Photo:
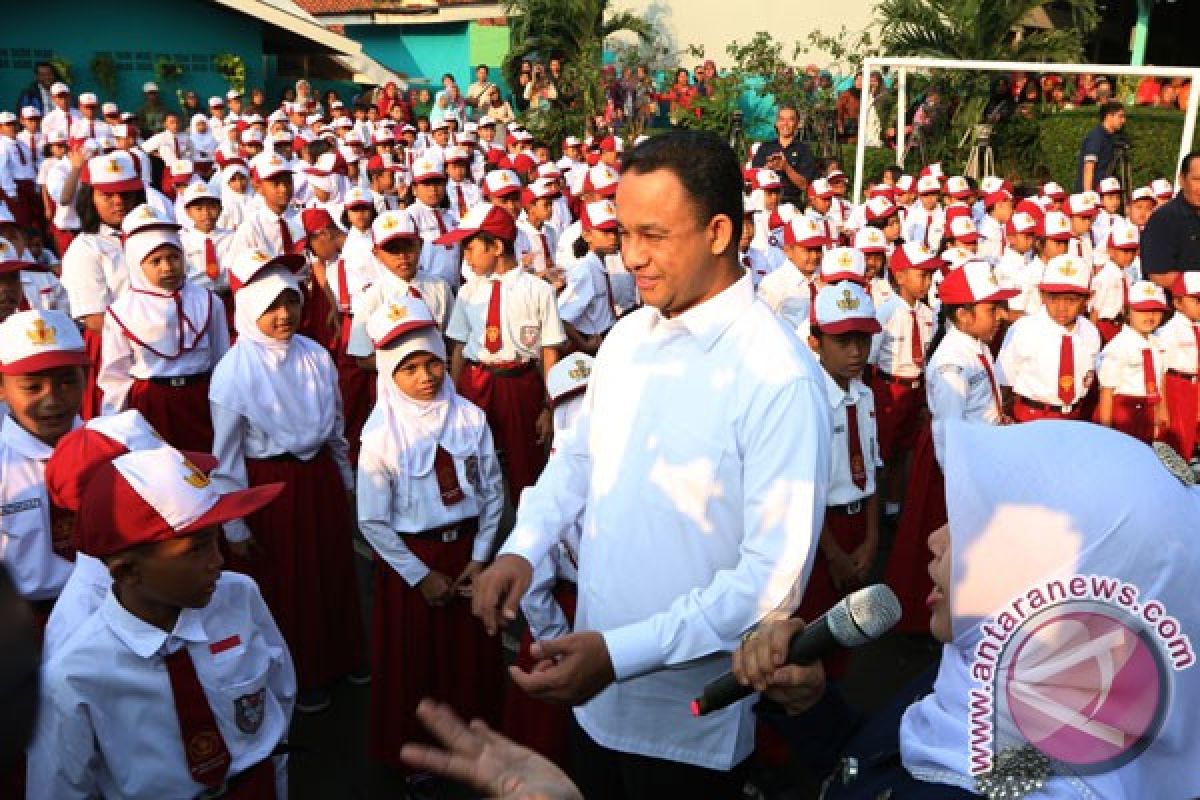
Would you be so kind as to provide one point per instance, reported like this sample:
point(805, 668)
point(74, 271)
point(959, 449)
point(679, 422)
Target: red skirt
point(358, 398)
point(1023, 412)
point(256, 783)
point(1133, 416)
point(1183, 403)
point(898, 416)
point(820, 593)
point(539, 725)
point(512, 404)
point(93, 398)
point(420, 651)
point(923, 513)
point(305, 566)
point(181, 415)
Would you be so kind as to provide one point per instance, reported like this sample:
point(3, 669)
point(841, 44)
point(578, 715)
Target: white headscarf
point(167, 324)
point(233, 203)
point(202, 141)
point(1039, 503)
point(287, 389)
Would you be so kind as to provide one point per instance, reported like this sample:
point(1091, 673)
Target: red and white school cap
point(765, 179)
point(1142, 193)
point(427, 170)
point(457, 154)
point(843, 264)
point(933, 170)
point(820, 188)
point(112, 172)
point(1123, 236)
point(400, 328)
point(59, 88)
point(250, 263)
point(804, 231)
point(1054, 191)
point(929, 184)
point(1147, 296)
point(359, 198)
point(549, 170)
point(395, 224)
point(844, 307)
point(439, 124)
point(1186, 285)
point(31, 341)
point(383, 136)
point(870, 240)
point(836, 176)
point(1055, 225)
point(148, 496)
point(543, 187)
point(252, 136)
point(973, 282)
point(482, 218)
point(962, 229)
point(1080, 205)
point(501, 183)
point(906, 183)
point(267, 165)
point(881, 190)
point(88, 99)
point(198, 191)
point(144, 218)
point(599, 216)
point(1021, 222)
point(602, 180)
point(957, 186)
point(1109, 185)
point(569, 378)
point(11, 261)
point(998, 196)
point(878, 208)
point(570, 141)
point(30, 112)
point(915, 255)
point(1162, 188)
point(1067, 274)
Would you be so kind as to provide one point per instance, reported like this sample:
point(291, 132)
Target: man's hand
point(485, 760)
point(436, 589)
point(760, 663)
point(544, 426)
point(570, 670)
point(498, 591)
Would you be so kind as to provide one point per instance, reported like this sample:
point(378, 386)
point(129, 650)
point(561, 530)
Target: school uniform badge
point(249, 711)
point(530, 334)
point(471, 467)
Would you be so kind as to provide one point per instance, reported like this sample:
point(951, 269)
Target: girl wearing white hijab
point(233, 187)
point(277, 417)
point(1064, 597)
point(162, 337)
point(430, 495)
point(202, 137)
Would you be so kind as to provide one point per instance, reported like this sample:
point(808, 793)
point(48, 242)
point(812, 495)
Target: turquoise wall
point(136, 35)
point(420, 51)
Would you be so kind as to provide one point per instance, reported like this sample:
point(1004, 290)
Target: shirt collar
point(838, 396)
point(708, 320)
point(143, 638)
point(25, 442)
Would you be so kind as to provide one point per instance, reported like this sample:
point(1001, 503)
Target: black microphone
point(858, 618)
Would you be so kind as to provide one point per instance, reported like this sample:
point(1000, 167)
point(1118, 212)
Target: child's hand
point(465, 583)
point(842, 570)
point(436, 589)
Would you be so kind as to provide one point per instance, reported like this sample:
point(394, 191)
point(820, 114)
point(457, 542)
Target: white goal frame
point(903, 65)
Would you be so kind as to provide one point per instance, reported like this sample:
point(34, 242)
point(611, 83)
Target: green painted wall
point(419, 51)
point(489, 45)
point(191, 32)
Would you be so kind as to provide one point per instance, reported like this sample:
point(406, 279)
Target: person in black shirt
point(788, 156)
point(1171, 239)
point(1098, 152)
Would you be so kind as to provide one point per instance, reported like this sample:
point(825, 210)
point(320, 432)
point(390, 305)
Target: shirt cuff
point(415, 572)
point(633, 650)
point(527, 543)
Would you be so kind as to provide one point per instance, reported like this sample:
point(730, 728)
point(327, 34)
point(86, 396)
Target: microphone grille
point(864, 615)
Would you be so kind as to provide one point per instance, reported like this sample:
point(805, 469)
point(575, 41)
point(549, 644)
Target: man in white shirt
point(699, 507)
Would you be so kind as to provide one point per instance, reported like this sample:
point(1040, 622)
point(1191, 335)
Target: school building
point(180, 44)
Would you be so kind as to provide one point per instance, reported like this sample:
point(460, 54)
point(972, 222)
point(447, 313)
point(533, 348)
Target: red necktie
point(1151, 378)
point(447, 478)
point(918, 351)
point(178, 148)
point(285, 233)
point(858, 468)
point(441, 223)
point(343, 300)
point(207, 754)
point(211, 268)
point(746, 261)
point(21, 153)
point(608, 289)
point(987, 367)
point(1066, 371)
point(462, 200)
point(546, 248)
point(491, 338)
point(1196, 333)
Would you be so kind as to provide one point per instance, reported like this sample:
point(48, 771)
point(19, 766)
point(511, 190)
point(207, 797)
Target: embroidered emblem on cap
point(1069, 269)
point(848, 302)
point(1149, 291)
point(113, 167)
point(41, 334)
point(924, 248)
point(845, 260)
point(397, 313)
point(194, 478)
point(581, 370)
point(389, 223)
point(259, 257)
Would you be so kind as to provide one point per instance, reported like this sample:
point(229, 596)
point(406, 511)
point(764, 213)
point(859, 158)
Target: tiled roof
point(359, 6)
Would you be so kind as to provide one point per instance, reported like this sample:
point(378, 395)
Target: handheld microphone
point(860, 617)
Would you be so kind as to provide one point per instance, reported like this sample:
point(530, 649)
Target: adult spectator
point(524, 79)
point(478, 90)
point(788, 156)
point(1085, 90)
point(1000, 105)
point(846, 111)
point(37, 94)
point(496, 107)
point(449, 103)
point(880, 112)
point(152, 112)
point(1148, 91)
point(1171, 239)
point(680, 96)
point(738, 541)
point(541, 92)
point(388, 97)
point(1098, 152)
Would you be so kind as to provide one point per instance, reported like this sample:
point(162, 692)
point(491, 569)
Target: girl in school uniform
point(162, 337)
point(960, 383)
point(430, 495)
point(277, 417)
point(233, 187)
point(1180, 340)
point(1131, 368)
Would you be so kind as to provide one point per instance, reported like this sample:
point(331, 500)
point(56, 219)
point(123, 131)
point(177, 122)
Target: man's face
point(785, 122)
point(151, 98)
point(1189, 183)
point(45, 76)
point(481, 74)
point(1115, 121)
point(672, 254)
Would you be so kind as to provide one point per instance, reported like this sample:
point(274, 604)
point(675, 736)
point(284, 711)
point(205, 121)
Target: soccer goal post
point(902, 66)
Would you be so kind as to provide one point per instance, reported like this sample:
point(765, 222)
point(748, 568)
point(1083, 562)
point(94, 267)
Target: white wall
point(715, 23)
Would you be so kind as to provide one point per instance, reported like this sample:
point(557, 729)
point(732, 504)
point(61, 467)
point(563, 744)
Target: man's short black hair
point(1111, 107)
point(1187, 162)
point(705, 165)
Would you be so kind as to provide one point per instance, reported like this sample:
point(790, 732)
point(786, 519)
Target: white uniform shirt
point(471, 194)
point(1178, 338)
point(57, 120)
point(788, 293)
point(1121, 365)
point(108, 725)
point(81, 595)
point(1023, 273)
point(43, 291)
point(56, 172)
point(542, 246)
point(1028, 360)
point(12, 168)
point(992, 239)
point(25, 526)
point(529, 318)
point(391, 504)
point(89, 129)
point(437, 260)
point(857, 398)
point(93, 271)
point(34, 144)
point(1109, 292)
point(260, 230)
point(195, 256)
point(700, 512)
point(894, 354)
point(921, 226)
point(434, 291)
point(564, 255)
point(586, 301)
point(958, 385)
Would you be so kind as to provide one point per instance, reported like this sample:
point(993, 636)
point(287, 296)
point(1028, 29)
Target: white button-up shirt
point(1109, 291)
point(81, 595)
point(894, 354)
point(1177, 338)
point(788, 292)
point(434, 291)
point(1023, 273)
point(923, 226)
point(108, 725)
point(93, 271)
point(529, 318)
point(196, 256)
point(699, 467)
point(958, 386)
point(437, 260)
point(586, 302)
point(1121, 365)
point(43, 291)
point(1028, 360)
point(25, 527)
point(260, 231)
point(857, 398)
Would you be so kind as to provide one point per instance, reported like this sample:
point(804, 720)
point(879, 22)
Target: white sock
point(891, 508)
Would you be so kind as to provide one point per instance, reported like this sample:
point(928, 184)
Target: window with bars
point(22, 57)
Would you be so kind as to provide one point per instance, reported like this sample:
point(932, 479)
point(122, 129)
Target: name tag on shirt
point(227, 648)
point(20, 505)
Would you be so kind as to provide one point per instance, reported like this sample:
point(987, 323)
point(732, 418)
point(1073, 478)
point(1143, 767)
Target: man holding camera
point(788, 156)
point(1099, 151)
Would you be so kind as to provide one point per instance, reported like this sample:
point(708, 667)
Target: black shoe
point(313, 701)
point(360, 676)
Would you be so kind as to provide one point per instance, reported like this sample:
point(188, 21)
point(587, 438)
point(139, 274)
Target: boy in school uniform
point(874, 247)
point(272, 225)
point(537, 224)
point(992, 229)
point(433, 221)
point(1110, 286)
point(790, 289)
point(759, 262)
point(1015, 267)
point(206, 248)
point(460, 189)
point(1048, 359)
point(1081, 210)
point(1131, 368)
point(179, 684)
point(898, 376)
point(1180, 341)
point(585, 304)
point(925, 220)
point(504, 325)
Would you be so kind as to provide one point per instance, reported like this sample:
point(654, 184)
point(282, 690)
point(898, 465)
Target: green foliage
point(62, 66)
point(167, 70)
point(104, 70)
point(847, 49)
point(232, 69)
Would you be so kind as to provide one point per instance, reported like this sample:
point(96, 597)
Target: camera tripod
point(981, 161)
point(1122, 170)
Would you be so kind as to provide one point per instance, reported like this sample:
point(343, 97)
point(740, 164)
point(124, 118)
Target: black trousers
point(604, 774)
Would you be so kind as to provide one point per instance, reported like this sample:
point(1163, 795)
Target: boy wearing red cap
point(504, 325)
point(585, 304)
point(179, 684)
point(925, 220)
point(992, 233)
point(1015, 267)
point(1131, 368)
point(790, 289)
point(271, 226)
point(537, 225)
point(1110, 286)
point(433, 220)
point(1180, 340)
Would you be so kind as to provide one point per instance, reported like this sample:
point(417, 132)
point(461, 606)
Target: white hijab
point(233, 203)
point(167, 324)
point(1030, 504)
point(202, 141)
point(287, 389)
